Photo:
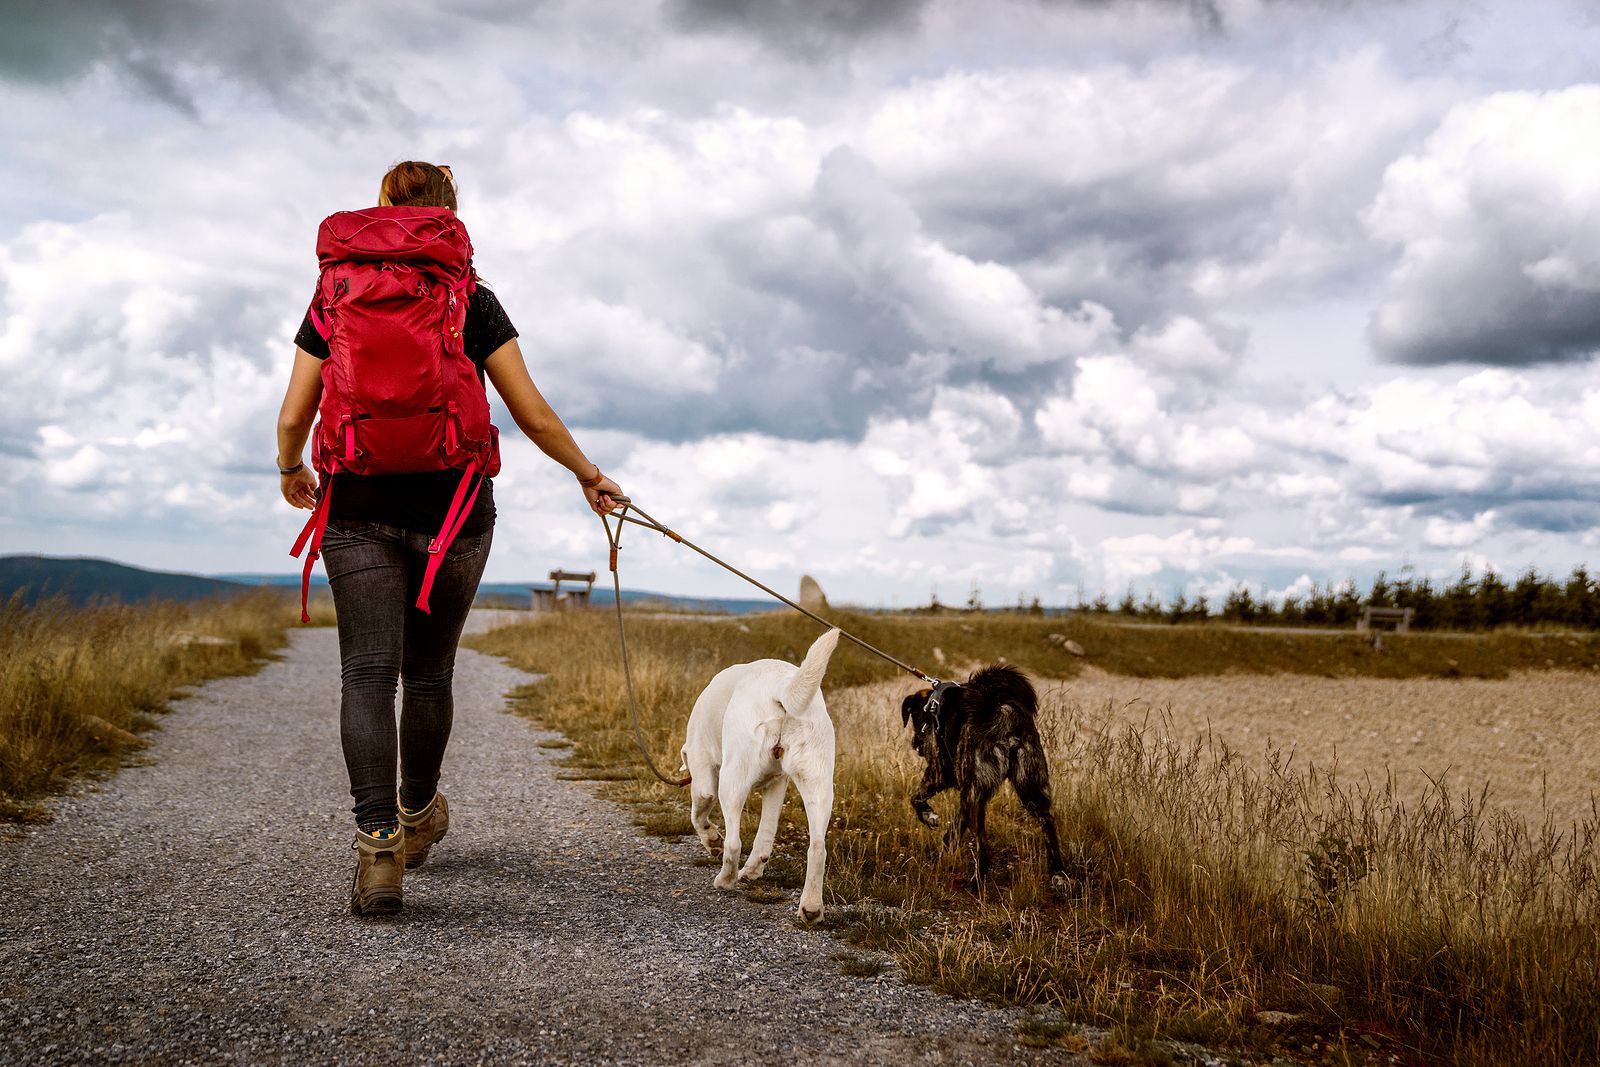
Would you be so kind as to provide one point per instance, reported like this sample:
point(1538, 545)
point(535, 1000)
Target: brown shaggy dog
point(974, 736)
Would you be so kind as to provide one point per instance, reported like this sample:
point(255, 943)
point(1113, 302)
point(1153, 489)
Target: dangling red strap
point(453, 521)
point(312, 535)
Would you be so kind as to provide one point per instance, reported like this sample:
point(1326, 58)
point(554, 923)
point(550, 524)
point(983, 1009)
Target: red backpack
point(399, 395)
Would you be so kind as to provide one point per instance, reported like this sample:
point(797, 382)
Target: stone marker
point(811, 597)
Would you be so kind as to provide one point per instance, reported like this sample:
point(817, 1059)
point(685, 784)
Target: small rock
point(1056, 639)
point(1329, 996)
point(1075, 648)
point(1277, 1018)
point(110, 735)
point(938, 654)
point(184, 639)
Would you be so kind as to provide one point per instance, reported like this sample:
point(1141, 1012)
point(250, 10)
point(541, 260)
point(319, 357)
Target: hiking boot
point(380, 864)
point(423, 828)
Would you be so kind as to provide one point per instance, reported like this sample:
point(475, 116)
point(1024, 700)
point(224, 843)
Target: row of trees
point(1471, 602)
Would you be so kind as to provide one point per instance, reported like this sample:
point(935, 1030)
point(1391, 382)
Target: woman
point(376, 549)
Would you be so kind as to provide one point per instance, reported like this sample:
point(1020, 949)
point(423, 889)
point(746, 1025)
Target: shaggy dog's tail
point(808, 681)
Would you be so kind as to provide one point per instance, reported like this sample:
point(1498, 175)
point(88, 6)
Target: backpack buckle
point(433, 546)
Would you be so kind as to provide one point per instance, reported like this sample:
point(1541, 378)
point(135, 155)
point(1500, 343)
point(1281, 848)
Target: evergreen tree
point(1493, 601)
point(1179, 609)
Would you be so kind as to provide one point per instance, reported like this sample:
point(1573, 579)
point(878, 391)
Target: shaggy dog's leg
point(761, 848)
point(732, 795)
point(974, 809)
point(932, 785)
point(1031, 779)
point(817, 793)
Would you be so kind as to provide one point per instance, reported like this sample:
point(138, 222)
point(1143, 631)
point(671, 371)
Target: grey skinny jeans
point(375, 572)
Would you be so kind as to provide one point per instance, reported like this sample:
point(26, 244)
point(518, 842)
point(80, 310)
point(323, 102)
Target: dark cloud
point(1496, 317)
point(173, 50)
point(1553, 516)
point(815, 28)
point(808, 28)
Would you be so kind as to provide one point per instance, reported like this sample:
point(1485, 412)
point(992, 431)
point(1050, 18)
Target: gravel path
point(195, 910)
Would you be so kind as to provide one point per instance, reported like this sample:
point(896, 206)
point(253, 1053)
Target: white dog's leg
point(817, 793)
point(700, 814)
point(732, 793)
point(761, 847)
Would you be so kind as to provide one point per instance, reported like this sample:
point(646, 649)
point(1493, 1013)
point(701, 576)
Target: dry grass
point(78, 685)
point(1219, 886)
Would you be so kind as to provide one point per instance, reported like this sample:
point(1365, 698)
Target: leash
point(646, 520)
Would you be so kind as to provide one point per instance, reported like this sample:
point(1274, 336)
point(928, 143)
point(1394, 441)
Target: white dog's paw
point(725, 880)
point(713, 844)
point(753, 869)
point(808, 915)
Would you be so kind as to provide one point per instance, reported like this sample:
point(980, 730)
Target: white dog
point(760, 726)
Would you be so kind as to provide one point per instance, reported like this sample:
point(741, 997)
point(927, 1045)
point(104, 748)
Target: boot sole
point(382, 903)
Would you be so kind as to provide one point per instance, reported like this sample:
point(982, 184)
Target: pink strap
point(312, 534)
point(454, 519)
point(322, 325)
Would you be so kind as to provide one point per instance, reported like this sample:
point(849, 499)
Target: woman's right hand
point(599, 496)
point(299, 488)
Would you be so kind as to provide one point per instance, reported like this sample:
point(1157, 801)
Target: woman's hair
point(413, 184)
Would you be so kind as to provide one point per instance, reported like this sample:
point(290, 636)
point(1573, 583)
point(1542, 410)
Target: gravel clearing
point(195, 910)
point(1533, 737)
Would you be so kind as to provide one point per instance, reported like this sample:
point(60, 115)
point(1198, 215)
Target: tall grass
point(1216, 887)
point(77, 685)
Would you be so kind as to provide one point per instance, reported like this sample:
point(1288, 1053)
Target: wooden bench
point(553, 599)
point(1401, 617)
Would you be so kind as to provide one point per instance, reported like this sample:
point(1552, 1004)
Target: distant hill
point(517, 593)
point(82, 580)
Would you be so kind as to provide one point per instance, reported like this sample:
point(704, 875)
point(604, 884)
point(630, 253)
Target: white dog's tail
point(808, 681)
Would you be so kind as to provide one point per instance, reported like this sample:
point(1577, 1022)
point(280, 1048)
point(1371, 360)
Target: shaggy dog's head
point(927, 711)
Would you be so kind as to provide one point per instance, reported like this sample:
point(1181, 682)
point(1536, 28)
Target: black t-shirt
point(419, 501)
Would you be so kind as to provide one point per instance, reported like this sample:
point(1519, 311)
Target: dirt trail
point(195, 910)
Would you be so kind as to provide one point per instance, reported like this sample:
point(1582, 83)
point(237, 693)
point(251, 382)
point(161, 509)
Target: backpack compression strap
point(312, 534)
point(453, 521)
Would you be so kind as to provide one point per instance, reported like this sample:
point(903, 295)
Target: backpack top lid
point(432, 236)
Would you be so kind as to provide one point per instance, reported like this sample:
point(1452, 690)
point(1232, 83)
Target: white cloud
point(1441, 533)
point(1498, 229)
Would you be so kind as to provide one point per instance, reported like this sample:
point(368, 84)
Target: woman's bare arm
point(295, 419)
point(534, 416)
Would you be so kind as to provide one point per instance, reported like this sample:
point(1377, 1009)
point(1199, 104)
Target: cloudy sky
point(909, 294)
